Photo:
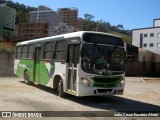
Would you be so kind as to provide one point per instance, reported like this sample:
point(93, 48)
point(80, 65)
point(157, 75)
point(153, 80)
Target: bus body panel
point(45, 71)
point(93, 91)
point(112, 88)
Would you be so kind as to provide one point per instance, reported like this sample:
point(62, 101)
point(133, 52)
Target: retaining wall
point(6, 64)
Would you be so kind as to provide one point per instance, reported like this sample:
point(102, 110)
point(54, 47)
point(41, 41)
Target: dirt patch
point(151, 80)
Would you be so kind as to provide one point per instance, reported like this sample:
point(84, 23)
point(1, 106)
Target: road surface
point(141, 94)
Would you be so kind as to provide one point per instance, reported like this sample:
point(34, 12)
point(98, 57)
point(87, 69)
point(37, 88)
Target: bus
point(83, 63)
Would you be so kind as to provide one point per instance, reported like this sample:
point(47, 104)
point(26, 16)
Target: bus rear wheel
point(26, 78)
point(61, 93)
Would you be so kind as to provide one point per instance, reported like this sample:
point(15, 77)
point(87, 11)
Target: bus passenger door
point(73, 57)
point(36, 70)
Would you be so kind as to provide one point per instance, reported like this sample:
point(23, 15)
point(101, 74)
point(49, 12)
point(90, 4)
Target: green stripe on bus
point(29, 65)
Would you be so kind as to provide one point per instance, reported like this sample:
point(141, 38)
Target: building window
point(151, 44)
point(152, 35)
point(158, 35)
point(145, 45)
point(145, 35)
point(158, 45)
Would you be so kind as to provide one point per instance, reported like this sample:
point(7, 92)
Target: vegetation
point(7, 46)
point(103, 26)
point(22, 16)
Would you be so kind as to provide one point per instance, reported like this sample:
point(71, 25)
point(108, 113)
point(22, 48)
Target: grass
point(7, 47)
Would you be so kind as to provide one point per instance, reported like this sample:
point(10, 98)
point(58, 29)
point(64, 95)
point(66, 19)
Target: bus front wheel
point(26, 77)
point(61, 93)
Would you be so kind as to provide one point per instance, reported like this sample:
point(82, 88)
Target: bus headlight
point(86, 82)
point(121, 83)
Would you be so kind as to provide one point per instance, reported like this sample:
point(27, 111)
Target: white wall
point(157, 23)
point(61, 28)
point(147, 40)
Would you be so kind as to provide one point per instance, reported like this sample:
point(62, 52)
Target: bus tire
point(61, 92)
point(26, 78)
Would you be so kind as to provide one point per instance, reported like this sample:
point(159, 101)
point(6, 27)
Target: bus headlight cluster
point(121, 83)
point(86, 82)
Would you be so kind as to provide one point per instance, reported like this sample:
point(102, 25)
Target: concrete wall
point(135, 68)
point(141, 62)
point(6, 64)
point(142, 69)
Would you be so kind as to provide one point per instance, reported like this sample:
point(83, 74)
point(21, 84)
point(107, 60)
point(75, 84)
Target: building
point(7, 22)
point(61, 28)
point(45, 15)
point(54, 19)
point(64, 21)
point(28, 31)
point(141, 62)
point(70, 17)
point(80, 24)
point(148, 38)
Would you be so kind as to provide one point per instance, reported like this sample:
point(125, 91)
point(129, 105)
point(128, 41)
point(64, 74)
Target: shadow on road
point(113, 103)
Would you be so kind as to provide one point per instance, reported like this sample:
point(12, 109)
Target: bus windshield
point(102, 59)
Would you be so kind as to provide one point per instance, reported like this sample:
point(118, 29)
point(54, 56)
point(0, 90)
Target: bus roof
point(59, 37)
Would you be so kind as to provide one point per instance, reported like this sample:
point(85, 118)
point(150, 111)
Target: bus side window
point(61, 48)
point(30, 51)
point(24, 52)
point(18, 52)
point(49, 50)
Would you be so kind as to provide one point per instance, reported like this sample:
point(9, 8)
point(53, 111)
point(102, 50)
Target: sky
point(132, 14)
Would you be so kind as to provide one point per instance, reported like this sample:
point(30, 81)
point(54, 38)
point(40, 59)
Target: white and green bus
point(81, 63)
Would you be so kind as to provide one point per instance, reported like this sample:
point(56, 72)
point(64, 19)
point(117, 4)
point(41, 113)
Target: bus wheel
point(26, 77)
point(61, 93)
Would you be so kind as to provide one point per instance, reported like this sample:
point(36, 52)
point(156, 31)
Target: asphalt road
point(141, 94)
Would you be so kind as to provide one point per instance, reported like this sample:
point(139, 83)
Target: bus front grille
point(103, 81)
point(104, 90)
point(104, 85)
point(107, 79)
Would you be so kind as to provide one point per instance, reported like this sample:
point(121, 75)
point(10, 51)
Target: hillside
point(125, 37)
point(22, 16)
point(22, 11)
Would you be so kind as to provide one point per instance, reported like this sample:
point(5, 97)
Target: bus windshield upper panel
point(102, 59)
point(103, 39)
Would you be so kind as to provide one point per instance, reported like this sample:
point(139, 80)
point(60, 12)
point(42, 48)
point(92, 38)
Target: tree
point(114, 28)
point(21, 17)
point(88, 17)
point(120, 27)
point(2, 1)
point(89, 25)
point(107, 25)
